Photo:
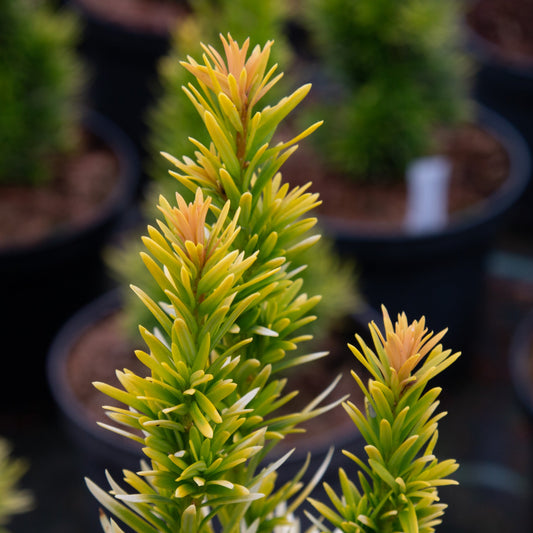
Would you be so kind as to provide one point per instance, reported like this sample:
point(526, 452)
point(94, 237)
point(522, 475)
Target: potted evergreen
point(66, 180)
point(173, 108)
point(69, 380)
point(206, 407)
point(394, 80)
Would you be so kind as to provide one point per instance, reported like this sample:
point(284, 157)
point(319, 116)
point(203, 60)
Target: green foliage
point(12, 500)
point(230, 311)
point(397, 485)
point(323, 272)
point(173, 121)
point(40, 81)
point(398, 71)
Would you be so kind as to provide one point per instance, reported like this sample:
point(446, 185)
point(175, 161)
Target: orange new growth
point(242, 80)
point(188, 221)
point(406, 344)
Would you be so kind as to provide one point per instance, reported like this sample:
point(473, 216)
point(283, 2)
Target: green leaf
point(382, 472)
point(161, 317)
point(379, 401)
point(120, 395)
point(119, 510)
point(218, 294)
point(326, 512)
point(188, 520)
point(408, 519)
point(385, 436)
point(271, 117)
point(229, 186)
point(230, 111)
point(207, 407)
point(402, 456)
point(201, 422)
point(222, 143)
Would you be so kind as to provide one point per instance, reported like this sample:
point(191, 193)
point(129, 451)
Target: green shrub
point(40, 84)
point(230, 311)
point(396, 71)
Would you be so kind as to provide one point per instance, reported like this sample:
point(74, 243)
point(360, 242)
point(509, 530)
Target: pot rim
point(122, 36)
point(493, 207)
point(56, 369)
point(487, 53)
point(120, 199)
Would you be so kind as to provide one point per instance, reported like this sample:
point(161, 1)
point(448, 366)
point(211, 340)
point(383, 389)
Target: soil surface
point(152, 16)
point(506, 24)
point(480, 166)
point(103, 348)
point(84, 183)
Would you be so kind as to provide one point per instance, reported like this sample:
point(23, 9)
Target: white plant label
point(428, 180)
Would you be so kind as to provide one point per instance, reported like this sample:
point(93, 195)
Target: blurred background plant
point(13, 500)
point(40, 89)
point(392, 73)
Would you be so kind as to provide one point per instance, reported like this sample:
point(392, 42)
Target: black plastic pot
point(97, 449)
point(507, 88)
point(122, 65)
point(439, 274)
point(100, 449)
point(43, 284)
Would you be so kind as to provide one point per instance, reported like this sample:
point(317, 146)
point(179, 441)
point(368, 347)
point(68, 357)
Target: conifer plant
point(230, 318)
point(397, 485)
point(400, 72)
point(231, 322)
point(173, 119)
point(40, 90)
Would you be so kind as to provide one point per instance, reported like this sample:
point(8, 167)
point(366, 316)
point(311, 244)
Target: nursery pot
point(42, 284)
point(97, 449)
point(123, 64)
point(506, 87)
point(100, 449)
point(439, 273)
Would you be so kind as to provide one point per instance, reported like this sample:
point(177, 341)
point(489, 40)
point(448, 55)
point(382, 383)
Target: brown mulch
point(99, 351)
point(507, 24)
point(83, 183)
point(479, 167)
